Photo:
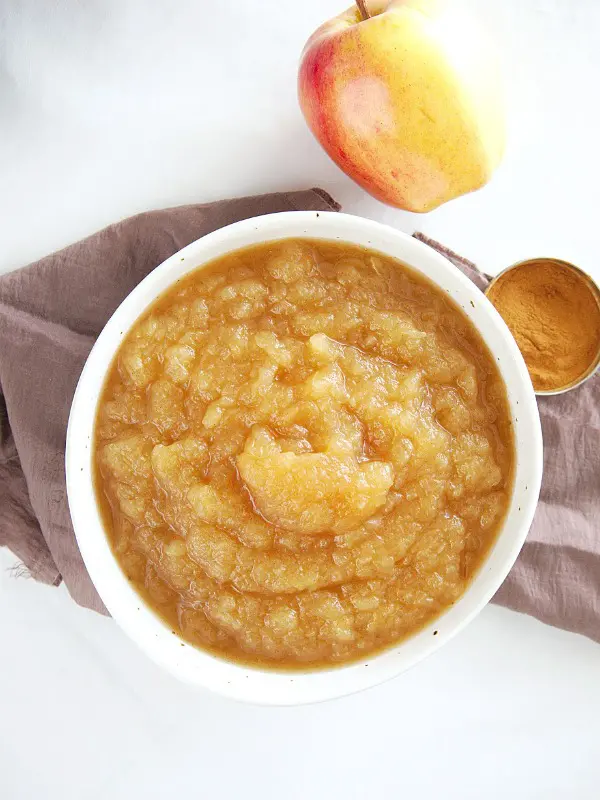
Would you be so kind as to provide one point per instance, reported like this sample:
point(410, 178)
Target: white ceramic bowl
point(284, 688)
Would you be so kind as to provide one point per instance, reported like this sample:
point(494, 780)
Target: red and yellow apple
point(407, 102)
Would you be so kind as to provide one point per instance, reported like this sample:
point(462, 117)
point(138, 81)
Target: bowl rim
point(272, 687)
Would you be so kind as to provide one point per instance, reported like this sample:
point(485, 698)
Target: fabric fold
point(50, 315)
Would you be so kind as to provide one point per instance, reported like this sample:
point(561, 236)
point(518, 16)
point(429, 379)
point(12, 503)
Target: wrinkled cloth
point(50, 315)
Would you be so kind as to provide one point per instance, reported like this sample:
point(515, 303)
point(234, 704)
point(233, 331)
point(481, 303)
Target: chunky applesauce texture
point(303, 453)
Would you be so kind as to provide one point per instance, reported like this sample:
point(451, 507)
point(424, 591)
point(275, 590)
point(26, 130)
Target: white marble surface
point(110, 107)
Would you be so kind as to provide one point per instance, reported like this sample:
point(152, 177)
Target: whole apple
point(405, 97)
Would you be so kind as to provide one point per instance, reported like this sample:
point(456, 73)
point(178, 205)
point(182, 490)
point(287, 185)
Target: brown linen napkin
point(50, 315)
point(557, 575)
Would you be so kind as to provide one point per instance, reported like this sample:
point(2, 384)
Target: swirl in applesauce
point(303, 452)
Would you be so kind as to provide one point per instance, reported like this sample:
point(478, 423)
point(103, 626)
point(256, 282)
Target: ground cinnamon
point(554, 315)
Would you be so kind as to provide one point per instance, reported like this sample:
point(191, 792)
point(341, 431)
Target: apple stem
point(362, 7)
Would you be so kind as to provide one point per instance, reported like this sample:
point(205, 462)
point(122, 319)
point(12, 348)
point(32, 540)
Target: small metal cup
point(595, 363)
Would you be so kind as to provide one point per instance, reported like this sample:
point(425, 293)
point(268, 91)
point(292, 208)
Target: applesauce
point(303, 453)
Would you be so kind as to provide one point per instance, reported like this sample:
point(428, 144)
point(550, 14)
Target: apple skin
point(407, 103)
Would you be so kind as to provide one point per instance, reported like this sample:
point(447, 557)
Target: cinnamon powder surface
point(554, 315)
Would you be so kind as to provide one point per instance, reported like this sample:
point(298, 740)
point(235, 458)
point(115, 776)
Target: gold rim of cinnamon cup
point(595, 290)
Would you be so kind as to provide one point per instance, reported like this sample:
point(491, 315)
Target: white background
point(109, 107)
